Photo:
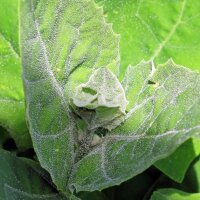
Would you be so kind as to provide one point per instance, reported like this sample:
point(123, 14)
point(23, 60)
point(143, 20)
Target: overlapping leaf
point(12, 107)
point(62, 42)
point(23, 179)
point(175, 166)
point(173, 194)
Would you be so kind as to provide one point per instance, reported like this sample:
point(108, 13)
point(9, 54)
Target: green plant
point(94, 121)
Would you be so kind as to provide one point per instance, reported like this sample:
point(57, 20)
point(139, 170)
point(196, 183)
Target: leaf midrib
point(171, 33)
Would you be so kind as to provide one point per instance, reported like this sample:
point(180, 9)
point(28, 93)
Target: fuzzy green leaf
point(58, 42)
point(104, 99)
point(62, 42)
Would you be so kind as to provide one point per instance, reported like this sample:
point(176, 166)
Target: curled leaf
point(101, 102)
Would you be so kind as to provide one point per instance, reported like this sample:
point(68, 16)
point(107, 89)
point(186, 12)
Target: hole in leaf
point(154, 84)
point(151, 82)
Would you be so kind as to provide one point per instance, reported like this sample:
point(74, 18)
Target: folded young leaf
point(12, 106)
point(101, 102)
point(156, 30)
point(63, 43)
point(173, 194)
point(23, 179)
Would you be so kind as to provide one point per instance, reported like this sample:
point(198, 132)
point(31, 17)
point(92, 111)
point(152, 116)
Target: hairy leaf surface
point(23, 179)
point(12, 109)
point(63, 42)
point(104, 98)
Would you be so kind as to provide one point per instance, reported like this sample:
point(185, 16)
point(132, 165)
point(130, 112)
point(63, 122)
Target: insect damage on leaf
point(100, 102)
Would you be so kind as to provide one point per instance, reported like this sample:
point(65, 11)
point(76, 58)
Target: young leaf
point(62, 42)
point(176, 165)
point(104, 100)
point(156, 30)
point(12, 109)
point(173, 194)
point(23, 179)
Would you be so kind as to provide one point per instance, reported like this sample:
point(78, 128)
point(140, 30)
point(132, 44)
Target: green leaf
point(191, 181)
point(194, 174)
point(12, 107)
point(62, 42)
point(163, 112)
point(156, 30)
point(176, 165)
point(23, 179)
point(173, 194)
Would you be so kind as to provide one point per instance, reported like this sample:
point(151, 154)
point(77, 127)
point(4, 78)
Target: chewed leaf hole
point(154, 84)
point(151, 82)
point(89, 91)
